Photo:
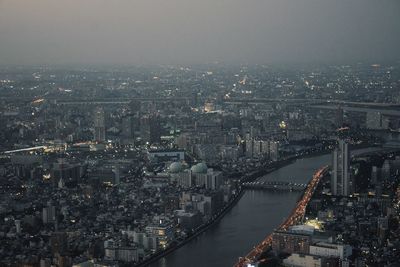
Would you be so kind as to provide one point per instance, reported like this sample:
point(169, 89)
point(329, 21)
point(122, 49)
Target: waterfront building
point(162, 232)
point(188, 220)
point(214, 202)
point(290, 242)
point(206, 177)
point(262, 148)
point(145, 241)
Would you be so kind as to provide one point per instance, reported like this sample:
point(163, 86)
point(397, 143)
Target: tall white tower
point(341, 181)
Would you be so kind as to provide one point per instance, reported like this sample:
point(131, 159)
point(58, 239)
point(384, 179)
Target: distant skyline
point(134, 32)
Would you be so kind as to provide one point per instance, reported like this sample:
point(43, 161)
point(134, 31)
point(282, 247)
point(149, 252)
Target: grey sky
point(197, 31)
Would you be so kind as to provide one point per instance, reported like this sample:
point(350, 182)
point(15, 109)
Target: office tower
point(18, 226)
point(340, 182)
point(150, 129)
point(128, 129)
point(339, 117)
point(99, 125)
point(273, 151)
point(49, 214)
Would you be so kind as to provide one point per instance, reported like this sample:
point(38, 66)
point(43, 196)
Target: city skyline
point(208, 165)
point(182, 133)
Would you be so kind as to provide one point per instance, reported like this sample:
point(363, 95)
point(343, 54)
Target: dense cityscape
point(123, 166)
point(183, 133)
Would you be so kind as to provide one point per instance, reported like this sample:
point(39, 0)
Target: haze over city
point(133, 32)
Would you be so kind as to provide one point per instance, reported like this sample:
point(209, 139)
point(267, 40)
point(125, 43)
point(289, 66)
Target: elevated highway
point(388, 111)
point(295, 217)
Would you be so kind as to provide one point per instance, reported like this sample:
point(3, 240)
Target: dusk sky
point(188, 31)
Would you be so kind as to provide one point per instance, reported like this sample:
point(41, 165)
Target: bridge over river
point(275, 185)
point(257, 214)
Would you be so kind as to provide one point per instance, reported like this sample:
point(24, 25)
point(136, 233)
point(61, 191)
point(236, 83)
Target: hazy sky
point(197, 31)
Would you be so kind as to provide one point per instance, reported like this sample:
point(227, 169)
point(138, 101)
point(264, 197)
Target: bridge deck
point(275, 185)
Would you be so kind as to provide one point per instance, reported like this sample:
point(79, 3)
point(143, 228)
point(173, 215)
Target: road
point(294, 217)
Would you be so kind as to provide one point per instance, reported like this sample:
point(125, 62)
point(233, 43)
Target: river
point(248, 222)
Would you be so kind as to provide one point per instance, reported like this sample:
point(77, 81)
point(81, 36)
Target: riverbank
point(246, 178)
point(198, 232)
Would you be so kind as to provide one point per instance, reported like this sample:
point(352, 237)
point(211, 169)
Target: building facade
point(341, 181)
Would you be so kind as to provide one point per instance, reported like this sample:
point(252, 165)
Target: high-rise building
point(99, 125)
point(215, 201)
point(128, 129)
point(150, 129)
point(341, 181)
point(262, 148)
point(18, 226)
point(49, 214)
point(117, 176)
point(339, 117)
point(273, 150)
point(375, 175)
point(69, 172)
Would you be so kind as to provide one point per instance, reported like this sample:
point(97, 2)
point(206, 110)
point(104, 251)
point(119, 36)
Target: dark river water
point(249, 221)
